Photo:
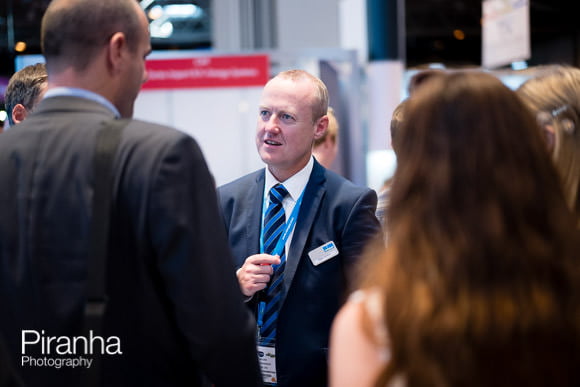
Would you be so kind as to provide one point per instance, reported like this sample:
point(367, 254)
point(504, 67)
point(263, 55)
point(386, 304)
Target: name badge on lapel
point(323, 253)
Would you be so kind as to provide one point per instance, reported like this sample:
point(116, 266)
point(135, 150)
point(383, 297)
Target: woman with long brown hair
point(478, 285)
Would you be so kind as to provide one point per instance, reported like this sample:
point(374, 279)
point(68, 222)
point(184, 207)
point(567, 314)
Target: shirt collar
point(82, 93)
point(294, 184)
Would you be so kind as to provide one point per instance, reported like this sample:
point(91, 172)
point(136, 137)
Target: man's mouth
point(271, 142)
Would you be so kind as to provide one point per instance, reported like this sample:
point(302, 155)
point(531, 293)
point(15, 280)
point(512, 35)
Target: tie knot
point(277, 193)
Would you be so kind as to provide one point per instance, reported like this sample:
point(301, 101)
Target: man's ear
point(321, 127)
point(19, 113)
point(549, 136)
point(116, 50)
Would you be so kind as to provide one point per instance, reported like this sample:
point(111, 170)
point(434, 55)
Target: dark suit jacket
point(8, 376)
point(174, 301)
point(333, 209)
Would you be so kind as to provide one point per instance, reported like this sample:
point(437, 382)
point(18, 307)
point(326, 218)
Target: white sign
point(506, 32)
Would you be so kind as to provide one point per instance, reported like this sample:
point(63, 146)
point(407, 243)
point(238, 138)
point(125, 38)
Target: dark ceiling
point(20, 21)
point(554, 28)
point(429, 29)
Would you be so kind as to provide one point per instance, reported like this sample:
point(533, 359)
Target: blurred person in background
point(383, 202)
point(25, 89)
point(417, 80)
point(479, 284)
point(326, 147)
point(554, 96)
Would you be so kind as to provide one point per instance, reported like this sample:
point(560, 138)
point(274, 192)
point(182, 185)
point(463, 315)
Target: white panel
point(222, 121)
point(226, 25)
point(353, 27)
point(307, 23)
point(385, 79)
point(154, 106)
point(506, 32)
point(381, 165)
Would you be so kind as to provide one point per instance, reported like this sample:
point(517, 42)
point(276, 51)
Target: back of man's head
point(25, 88)
point(73, 31)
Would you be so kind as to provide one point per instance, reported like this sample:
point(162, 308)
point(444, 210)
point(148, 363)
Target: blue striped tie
point(274, 225)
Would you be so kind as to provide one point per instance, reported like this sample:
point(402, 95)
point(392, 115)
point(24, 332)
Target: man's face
point(285, 131)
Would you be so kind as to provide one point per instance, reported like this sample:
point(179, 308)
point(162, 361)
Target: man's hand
point(255, 274)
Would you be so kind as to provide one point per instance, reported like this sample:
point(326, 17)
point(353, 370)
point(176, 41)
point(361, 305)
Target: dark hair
point(24, 88)
point(73, 30)
point(480, 278)
point(420, 78)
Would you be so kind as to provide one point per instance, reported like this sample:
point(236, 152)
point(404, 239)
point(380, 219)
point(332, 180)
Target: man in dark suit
point(175, 315)
point(326, 222)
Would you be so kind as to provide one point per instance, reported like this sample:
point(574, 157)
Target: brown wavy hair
point(480, 278)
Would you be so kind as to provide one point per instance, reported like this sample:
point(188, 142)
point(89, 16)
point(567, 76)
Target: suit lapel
point(315, 190)
point(254, 214)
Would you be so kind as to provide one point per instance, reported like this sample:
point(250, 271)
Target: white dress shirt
point(295, 185)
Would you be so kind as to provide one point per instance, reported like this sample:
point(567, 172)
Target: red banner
point(215, 71)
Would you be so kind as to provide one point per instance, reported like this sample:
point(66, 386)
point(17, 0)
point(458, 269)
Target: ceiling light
point(161, 30)
point(458, 34)
point(155, 13)
point(20, 46)
point(183, 10)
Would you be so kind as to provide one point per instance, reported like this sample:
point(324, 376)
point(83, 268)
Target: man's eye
point(264, 113)
point(287, 117)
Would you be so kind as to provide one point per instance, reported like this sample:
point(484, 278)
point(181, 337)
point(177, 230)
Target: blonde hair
point(331, 130)
point(320, 104)
point(554, 96)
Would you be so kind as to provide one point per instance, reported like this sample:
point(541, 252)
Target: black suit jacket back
point(174, 302)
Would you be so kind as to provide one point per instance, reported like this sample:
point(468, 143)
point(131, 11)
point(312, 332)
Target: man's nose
point(272, 124)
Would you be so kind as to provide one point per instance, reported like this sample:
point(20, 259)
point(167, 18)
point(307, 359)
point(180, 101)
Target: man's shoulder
point(144, 128)
point(154, 135)
point(240, 183)
point(339, 185)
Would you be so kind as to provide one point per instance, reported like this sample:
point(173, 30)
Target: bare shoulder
point(349, 316)
point(355, 357)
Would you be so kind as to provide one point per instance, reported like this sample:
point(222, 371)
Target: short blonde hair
point(320, 105)
point(555, 94)
point(331, 130)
